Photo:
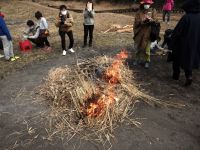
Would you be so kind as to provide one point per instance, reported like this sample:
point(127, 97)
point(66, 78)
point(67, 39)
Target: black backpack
point(155, 31)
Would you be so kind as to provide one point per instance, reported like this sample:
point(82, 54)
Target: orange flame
point(113, 73)
point(98, 104)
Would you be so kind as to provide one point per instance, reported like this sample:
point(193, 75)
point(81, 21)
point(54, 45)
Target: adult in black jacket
point(185, 42)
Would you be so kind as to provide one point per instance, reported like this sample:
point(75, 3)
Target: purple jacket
point(168, 6)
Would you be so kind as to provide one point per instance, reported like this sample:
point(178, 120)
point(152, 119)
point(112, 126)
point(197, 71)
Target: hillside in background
point(157, 3)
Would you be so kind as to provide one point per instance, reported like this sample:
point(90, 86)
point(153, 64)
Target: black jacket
point(185, 42)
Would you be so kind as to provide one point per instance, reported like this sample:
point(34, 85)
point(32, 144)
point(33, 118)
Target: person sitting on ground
point(142, 31)
point(88, 14)
point(6, 39)
point(44, 32)
point(185, 43)
point(33, 34)
point(65, 23)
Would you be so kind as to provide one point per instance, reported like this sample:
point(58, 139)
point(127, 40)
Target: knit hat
point(146, 2)
point(2, 15)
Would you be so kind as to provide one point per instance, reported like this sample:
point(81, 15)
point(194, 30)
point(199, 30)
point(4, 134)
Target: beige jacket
point(141, 30)
point(67, 26)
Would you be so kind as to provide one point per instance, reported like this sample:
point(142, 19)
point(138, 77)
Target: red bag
point(25, 46)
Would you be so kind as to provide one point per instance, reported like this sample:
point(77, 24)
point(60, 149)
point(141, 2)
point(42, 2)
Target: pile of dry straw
point(91, 98)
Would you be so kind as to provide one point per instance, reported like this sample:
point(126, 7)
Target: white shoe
point(146, 65)
point(135, 63)
point(1, 56)
point(64, 52)
point(71, 50)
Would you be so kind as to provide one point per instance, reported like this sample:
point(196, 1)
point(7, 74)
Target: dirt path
point(162, 128)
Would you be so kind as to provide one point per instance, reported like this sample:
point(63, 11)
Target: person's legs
point(11, 53)
point(168, 16)
point(86, 29)
point(46, 42)
point(164, 14)
point(147, 55)
point(6, 47)
point(71, 39)
point(91, 29)
point(188, 75)
point(63, 43)
point(176, 70)
point(38, 42)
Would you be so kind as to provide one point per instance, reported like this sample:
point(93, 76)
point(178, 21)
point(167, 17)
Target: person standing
point(44, 32)
point(142, 31)
point(6, 39)
point(89, 14)
point(65, 23)
point(167, 8)
point(185, 43)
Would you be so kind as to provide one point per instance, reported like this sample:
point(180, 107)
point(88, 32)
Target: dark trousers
point(71, 39)
point(177, 70)
point(40, 42)
point(168, 14)
point(88, 29)
point(46, 42)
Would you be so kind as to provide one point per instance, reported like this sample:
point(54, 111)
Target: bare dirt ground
point(22, 118)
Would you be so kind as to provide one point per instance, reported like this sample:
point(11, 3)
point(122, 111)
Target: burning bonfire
point(90, 99)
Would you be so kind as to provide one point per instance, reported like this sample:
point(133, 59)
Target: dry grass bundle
point(91, 98)
point(119, 29)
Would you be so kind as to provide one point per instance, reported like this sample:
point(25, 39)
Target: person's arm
point(178, 33)
point(5, 29)
point(154, 15)
point(58, 21)
point(70, 21)
point(85, 13)
point(44, 22)
point(91, 13)
point(138, 21)
point(36, 34)
point(172, 4)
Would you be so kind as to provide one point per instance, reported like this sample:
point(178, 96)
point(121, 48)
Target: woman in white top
point(43, 29)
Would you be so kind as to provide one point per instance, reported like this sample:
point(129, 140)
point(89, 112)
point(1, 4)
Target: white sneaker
point(146, 65)
point(1, 56)
point(135, 63)
point(71, 50)
point(64, 52)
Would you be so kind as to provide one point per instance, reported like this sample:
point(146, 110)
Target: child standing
point(65, 24)
point(88, 23)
